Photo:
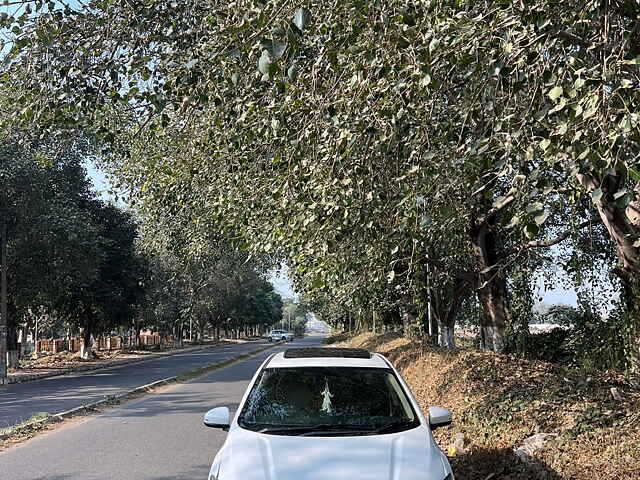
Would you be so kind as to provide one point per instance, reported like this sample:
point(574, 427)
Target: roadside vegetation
point(499, 401)
point(77, 266)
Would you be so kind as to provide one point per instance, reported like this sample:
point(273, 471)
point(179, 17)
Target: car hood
point(400, 456)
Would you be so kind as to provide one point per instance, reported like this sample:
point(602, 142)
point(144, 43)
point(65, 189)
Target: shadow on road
point(54, 477)
point(173, 403)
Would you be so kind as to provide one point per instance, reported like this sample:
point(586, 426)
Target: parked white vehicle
point(328, 413)
point(275, 335)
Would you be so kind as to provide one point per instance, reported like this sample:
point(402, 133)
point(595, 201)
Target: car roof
point(326, 357)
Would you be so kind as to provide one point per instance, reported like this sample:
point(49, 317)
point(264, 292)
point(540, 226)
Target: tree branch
point(548, 243)
point(491, 214)
point(575, 39)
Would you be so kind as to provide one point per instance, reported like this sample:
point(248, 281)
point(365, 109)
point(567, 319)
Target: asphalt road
point(20, 401)
point(157, 437)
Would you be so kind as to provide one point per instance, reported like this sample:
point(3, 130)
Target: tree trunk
point(13, 353)
point(632, 297)
point(444, 311)
point(177, 337)
point(434, 327)
point(85, 346)
point(492, 299)
point(445, 338)
point(623, 226)
point(3, 302)
point(491, 289)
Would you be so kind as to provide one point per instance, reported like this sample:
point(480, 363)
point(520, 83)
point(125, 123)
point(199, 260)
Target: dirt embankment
point(498, 402)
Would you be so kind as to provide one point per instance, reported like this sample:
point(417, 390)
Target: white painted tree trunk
point(445, 337)
point(85, 347)
point(13, 357)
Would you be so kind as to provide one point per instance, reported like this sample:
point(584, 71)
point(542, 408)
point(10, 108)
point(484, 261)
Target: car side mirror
point(217, 418)
point(439, 417)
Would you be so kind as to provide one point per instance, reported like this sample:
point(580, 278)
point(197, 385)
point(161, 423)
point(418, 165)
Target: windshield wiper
point(392, 427)
point(319, 429)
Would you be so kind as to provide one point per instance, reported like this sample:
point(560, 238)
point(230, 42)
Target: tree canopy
point(402, 159)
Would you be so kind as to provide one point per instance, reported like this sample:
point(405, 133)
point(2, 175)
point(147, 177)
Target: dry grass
point(498, 401)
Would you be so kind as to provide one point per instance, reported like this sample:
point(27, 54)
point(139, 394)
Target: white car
point(275, 335)
point(328, 413)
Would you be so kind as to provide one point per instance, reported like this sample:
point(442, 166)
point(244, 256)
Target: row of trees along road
point(64, 251)
point(412, 163)
point(89, 267)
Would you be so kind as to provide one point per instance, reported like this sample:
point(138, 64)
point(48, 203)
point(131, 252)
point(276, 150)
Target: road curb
point(114, 363)
point(116, 399)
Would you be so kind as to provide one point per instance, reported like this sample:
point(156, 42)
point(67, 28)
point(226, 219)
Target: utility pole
point(3, 302)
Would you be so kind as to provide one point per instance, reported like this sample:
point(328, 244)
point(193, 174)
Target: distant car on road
point(328, 413)
point(275, 335)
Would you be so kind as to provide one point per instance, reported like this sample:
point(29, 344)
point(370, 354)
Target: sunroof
point(326, 352)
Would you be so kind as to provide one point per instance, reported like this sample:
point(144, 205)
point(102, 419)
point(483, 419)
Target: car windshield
point(327, 399)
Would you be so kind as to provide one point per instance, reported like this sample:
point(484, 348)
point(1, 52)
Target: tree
point(109, 297)
point(198, 276)
point(40, 211)
point(333, 136)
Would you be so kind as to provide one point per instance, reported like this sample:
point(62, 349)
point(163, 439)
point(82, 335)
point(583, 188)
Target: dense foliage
point(79, 264)
point(407, 161)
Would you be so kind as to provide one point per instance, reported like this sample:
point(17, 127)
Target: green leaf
point(622, 198)
point(531, 230)
point(544, 144)
point(541, 218)
point(634, 174)
point(535, 207)
point(275, 48)
point(555, 93)
point(625, 123)
point(292, 72)
point(596, 195)
point(302, 18)
point(264, 63)
point(619, 194)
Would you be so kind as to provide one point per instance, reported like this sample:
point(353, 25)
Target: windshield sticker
point(326, 398)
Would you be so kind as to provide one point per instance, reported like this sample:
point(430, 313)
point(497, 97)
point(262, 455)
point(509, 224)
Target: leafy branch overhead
point(388, 152)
